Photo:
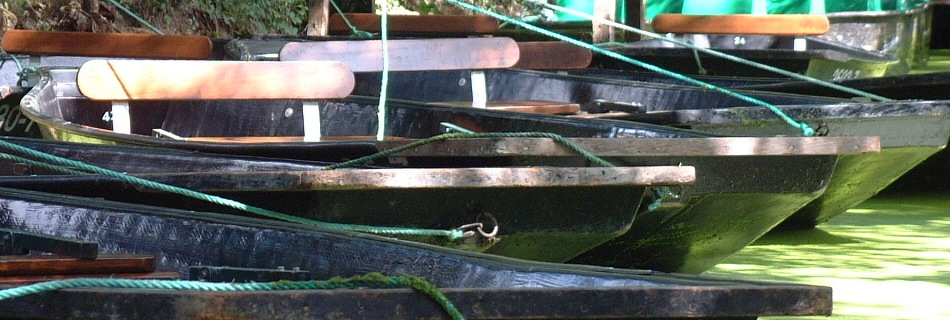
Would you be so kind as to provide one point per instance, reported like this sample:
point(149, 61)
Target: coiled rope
point(801, 125)
point(713, 52)
point(374, 279)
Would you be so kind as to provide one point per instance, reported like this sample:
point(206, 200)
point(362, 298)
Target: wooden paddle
point(170, 80)
point(410, 55)
point(776, 24)
point(117, 45)
point(418, 24)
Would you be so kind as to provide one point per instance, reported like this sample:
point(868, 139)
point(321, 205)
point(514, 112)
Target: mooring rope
point(715, 53)
point(374, 279)
point(801, 125)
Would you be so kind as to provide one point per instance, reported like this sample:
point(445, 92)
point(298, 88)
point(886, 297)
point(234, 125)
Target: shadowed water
point(888, 258)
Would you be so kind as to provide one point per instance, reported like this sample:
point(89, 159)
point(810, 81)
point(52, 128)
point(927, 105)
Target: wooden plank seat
point(417, 25)
point(64, 258)
point(116, 45)
point(777, 24)
point(475, 54)
point(125, 80)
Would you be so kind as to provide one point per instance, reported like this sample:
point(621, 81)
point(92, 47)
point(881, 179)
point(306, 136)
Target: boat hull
point(481, 286)
point(785, 194)
point(910, 131)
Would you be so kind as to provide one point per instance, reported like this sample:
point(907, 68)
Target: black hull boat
point(644, 102)
point(764, 172)
point(544, 214)
point(479, 286)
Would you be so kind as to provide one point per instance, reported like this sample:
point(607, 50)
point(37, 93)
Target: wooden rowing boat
point(701, 109)
point(479, 285)
point(541, 213)
point(279, 132)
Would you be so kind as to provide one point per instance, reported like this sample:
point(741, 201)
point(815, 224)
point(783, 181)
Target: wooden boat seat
point(777, 24)
point(125, 80)
point(415, 24)
point(475, 54)
point(794, 25)
point(116, 45)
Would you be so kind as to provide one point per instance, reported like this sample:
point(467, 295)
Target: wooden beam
point(160, 80)
point(605, 9)
point(410, 55)
point(417, 25)
point(429, 178)
point(776, 24)
point(55, 264)
point(318, 18)
point(116, 45)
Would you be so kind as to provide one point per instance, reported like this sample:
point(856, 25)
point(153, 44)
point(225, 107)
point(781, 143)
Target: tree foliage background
point(214, 18)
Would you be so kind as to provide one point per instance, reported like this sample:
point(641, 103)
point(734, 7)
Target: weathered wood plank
point(117, 45)
point(703, 300)
point(25, 280)
point(349, 179)
point(527, 106)
point(55, 264)
point(773, 24)
point(409, 55)
point(441, 24)
point(542, 55)
point(615, 147)
point(157, 79)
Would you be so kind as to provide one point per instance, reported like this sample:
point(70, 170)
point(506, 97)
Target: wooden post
point(318, 18)
point(606, 9)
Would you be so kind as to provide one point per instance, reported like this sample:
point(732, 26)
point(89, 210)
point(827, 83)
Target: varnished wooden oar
point(777, 24)
point(410, 55)
point(169, 80)
point(416, 24)
point(117, 45)
point(541, 55)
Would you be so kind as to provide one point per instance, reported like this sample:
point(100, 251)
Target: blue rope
point(804, 127)
point(136, 17)
point(717, 53)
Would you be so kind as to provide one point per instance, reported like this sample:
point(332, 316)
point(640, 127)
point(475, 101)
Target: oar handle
point(777, 24)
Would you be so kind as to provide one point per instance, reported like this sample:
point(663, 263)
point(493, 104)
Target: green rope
point(466, 135)
point(453, 234)
point(353, 30)
point(716, 53)
point(374, 279)
point(804, 127)
point(136, 17)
